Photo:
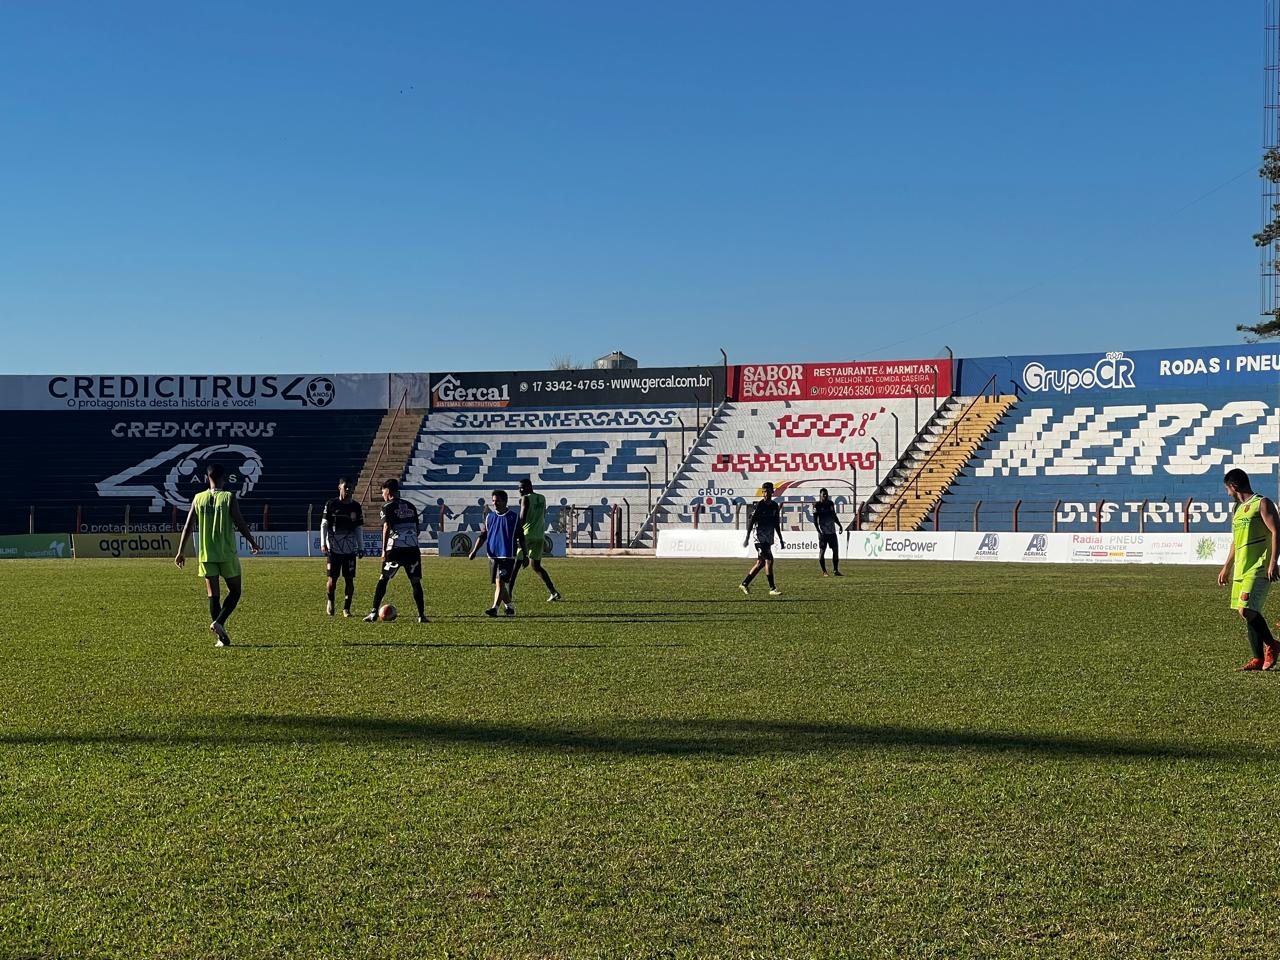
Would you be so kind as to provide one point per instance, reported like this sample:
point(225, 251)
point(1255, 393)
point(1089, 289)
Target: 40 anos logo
point(321, 391)
point(188, 466)
point(1112, 372)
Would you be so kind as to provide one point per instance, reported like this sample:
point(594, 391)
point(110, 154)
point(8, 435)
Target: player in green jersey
point(217, 515)
point(533, 514)
point(1251, 565)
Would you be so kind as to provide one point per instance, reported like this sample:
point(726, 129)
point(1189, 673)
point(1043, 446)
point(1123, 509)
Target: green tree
point(1270, 327)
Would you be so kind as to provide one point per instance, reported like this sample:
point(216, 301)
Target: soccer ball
point(387, 612)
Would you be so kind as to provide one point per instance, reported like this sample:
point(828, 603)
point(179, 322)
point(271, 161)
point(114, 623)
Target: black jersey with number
point(345, 518)
point(767, 516)
point(824, 516)
point(402, 517)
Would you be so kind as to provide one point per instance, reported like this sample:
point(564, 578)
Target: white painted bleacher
point(589, 459)
point(800, 446)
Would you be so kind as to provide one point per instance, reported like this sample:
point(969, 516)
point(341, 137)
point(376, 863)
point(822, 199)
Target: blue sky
point(417, 186)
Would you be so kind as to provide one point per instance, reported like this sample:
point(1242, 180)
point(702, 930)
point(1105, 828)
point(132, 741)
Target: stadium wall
point(102, 454)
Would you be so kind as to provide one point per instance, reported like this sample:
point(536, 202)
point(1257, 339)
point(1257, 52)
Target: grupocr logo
point(1112, 372)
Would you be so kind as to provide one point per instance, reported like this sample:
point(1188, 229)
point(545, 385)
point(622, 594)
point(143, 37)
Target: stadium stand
point(800, 446)
point(585, 461)
point(95, 465)
point(1144, 449)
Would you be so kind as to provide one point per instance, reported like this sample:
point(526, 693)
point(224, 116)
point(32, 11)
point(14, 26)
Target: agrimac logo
point(1037, 548)
point(1112, 372)
point(990, 545)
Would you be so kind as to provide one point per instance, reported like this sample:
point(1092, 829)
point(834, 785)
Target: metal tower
point(1270, 253)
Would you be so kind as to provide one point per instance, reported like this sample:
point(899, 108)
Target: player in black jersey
point(400, 548)
point(766, 520)
point(341, 541)
point(826, 522)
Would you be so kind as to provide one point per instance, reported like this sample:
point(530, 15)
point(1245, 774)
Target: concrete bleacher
point(1153, 459)
point(95, 465)
point(584, 461)
point(848, 446)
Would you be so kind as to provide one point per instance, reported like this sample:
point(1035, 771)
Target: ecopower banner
point(210, 392)
point(460, 390)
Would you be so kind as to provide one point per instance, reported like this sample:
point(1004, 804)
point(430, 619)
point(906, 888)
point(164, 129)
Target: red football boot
point(1271, 655)
point(1254, 664)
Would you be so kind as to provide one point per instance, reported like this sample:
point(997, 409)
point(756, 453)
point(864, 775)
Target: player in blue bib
point(502, 537)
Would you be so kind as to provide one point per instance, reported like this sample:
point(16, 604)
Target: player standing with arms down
point(766, 520)
point(400, 548)
point(341, 541)
point(1251, 565)
point(502, 536)
point(826, 522)
point(217, 514)
point(533, 514)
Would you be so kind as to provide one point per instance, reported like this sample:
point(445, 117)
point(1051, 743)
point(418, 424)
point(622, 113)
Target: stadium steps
point(947, 444)
point(700, 452)
point(390, 451)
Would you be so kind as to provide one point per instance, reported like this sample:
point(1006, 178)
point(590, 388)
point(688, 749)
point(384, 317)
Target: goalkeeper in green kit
point(533, 513)
point(1251, 565)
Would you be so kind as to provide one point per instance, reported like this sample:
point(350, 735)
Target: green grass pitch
point(918, 760)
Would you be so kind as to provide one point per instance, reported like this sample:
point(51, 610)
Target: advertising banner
point(207, 392)
point(890, 379)
point(1112, 374)
point(459, 544)
point(129, 545)
point(573, 388)
point(279, 544)
point(44, 546)
point(1001, 547)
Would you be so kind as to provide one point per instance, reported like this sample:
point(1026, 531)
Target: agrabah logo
point(1112, 372)
point(990, 546)
point(321, 391)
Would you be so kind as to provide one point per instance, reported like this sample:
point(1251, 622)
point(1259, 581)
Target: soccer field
point(917, 760)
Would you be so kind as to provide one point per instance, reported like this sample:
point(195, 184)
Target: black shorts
point(501, 568)
point(826, 540)
point(340, 564)
point(408, 557)
point(765, 550)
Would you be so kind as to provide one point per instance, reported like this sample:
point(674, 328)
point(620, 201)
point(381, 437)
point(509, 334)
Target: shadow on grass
point(716, 739)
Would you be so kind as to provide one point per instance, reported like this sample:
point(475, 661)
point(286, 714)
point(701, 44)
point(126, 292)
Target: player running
point(216, 513)
point(766, 520)
point(502, 536)
point(400, 548)
point(1251, 565)
point(533, 513)
point(825, 522)
point(341, 541)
